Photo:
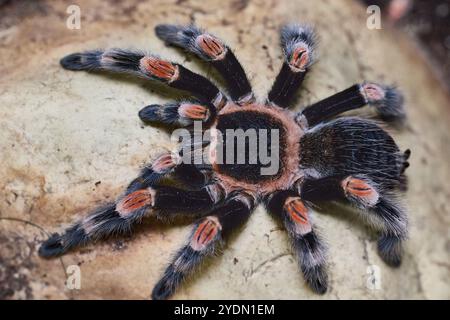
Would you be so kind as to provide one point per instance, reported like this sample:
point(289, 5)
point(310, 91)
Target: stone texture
point(71, 140)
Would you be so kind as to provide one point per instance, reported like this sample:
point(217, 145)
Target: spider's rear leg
point(308, 246)
point(142, 197)
point(378, 209)
point(206, 238)
point(209, 48)
point(178, 114)
point(146, 66)
point(298, 43)
point(387, 101)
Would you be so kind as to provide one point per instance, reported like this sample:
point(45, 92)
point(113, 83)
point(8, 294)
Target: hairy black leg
point(298, 43)
point(120, 216)
point(148, 67)
point(308, 246)
point(170, 201)
point(213, 50)
point(178, 114)
point(387, 101)
point(206, 238)
point(110, 219)
point(378, 209)
point(168, 169)
point(141, 195)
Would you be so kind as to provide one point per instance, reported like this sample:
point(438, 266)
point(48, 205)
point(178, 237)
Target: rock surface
point(71, 140)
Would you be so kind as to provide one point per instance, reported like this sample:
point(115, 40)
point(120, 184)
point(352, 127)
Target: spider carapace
point(316, 156)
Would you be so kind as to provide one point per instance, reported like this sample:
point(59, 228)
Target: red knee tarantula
point(322, 158)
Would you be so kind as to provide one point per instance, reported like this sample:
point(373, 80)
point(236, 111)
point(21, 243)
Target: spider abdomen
point(348, 146)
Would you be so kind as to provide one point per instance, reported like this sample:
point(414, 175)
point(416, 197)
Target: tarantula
point(322, 157)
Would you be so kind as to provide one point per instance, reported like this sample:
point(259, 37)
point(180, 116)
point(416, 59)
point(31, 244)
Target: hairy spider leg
point(387, 101)
point(144, 196)
point(178, 114)
point(307, 245)
point(206, 238)
point(377, 208)
point(210, 48)
point(298, 43)
point(146, 66)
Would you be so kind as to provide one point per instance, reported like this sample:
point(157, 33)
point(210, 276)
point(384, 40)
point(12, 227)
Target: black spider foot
point(52, 247)
point(81, 61)
point(390, 250)
point(317, 278)
point(406, 156)
point(165, 287)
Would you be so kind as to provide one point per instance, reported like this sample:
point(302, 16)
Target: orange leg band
point(205, 233)
point(134, 201)
point(298, 213)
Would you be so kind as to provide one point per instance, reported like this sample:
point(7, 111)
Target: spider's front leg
point(142, 197)
point(178, 114)
point(298, 43)
point(387, 101)
point(146, 66)
point(209, 48)
point(207, 237)
point(377, 208)
point(308, 246)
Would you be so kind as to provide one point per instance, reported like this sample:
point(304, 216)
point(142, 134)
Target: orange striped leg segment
point(134, 201)
point(298, 213)
point(205, 233)
point(211, 46)
point(165, 163)
point(372, 92)
point(360, 190)
point(158, 68)
point(193, 111)
point(300, 59)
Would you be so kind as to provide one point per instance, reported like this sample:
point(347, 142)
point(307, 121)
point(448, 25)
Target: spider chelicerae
point(321, 158)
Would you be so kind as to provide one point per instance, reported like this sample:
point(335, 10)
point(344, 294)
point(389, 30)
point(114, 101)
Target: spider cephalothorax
point(248, 175)
point(317, 157)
